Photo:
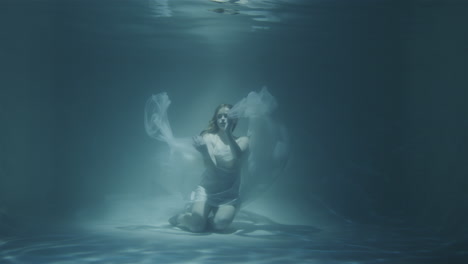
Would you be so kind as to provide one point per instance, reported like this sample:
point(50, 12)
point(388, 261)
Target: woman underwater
point(218, 192)
point(217, 198)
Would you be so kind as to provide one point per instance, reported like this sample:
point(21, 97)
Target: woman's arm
point(199, 143)
point(237, 147)
point(204, 146)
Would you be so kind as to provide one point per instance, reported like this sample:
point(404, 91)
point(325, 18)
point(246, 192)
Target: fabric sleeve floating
point(268, 142)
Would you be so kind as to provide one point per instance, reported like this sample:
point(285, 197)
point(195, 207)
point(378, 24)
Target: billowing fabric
point(267, 155)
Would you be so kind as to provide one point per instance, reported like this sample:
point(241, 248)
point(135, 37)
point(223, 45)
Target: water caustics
point(257, 10)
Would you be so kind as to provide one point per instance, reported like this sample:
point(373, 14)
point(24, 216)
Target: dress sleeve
point(158, 127)
point(176, 169)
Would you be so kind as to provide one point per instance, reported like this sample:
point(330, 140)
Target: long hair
point(212, 125)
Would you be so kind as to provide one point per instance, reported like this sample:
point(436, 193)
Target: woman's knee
point(221, 222)
point(223, 217)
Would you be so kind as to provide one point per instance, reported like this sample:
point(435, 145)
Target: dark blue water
point(373, 94)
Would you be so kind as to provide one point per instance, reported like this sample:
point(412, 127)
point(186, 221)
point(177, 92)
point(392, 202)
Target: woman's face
point(222, 118)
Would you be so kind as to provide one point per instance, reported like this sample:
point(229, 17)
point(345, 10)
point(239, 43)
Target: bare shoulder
point(208, 137)
point(243, 143)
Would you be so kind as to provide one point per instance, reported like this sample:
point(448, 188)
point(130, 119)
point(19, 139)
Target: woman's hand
point(229, 126)
point(198, 141)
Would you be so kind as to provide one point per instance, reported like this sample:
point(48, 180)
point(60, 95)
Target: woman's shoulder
point(243, 142)
point(243, 138)
point(208, 137)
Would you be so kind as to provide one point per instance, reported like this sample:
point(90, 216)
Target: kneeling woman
point(218, 192)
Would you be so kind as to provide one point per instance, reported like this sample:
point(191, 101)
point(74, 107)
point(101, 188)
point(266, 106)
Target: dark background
point(374, 95)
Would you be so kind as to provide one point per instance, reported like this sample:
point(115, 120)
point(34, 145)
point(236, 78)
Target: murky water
point(377, 172)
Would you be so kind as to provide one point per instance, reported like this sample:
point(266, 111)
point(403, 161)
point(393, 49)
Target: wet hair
point(212, 124)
